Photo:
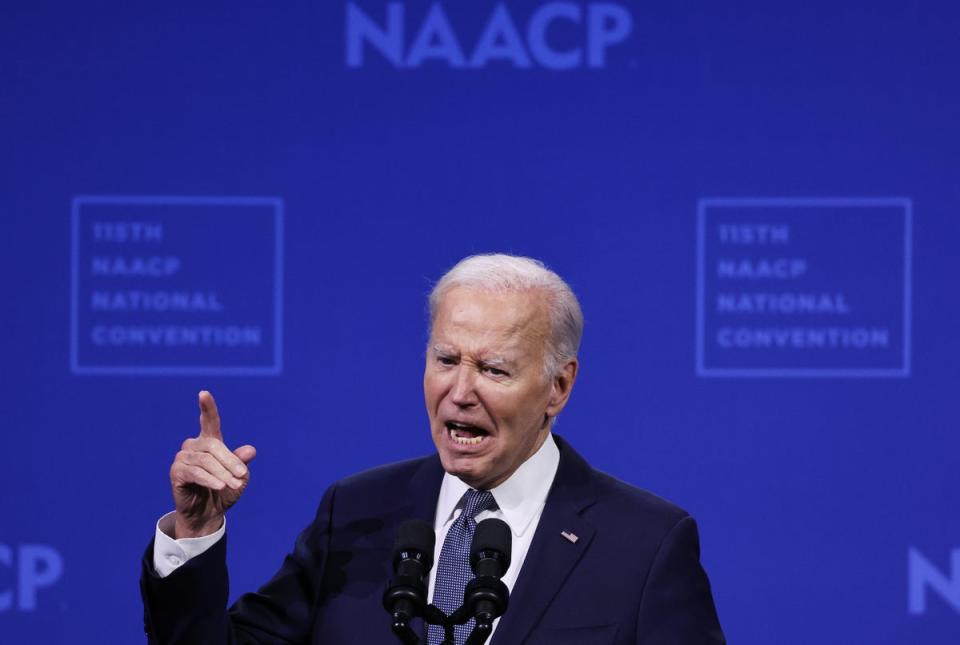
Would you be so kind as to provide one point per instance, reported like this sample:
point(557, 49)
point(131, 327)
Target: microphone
point(486, 596)
point(406, 597)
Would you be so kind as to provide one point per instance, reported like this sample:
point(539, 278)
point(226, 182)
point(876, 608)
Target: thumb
point(245, 453)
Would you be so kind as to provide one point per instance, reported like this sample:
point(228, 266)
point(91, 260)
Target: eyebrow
point(486, 360)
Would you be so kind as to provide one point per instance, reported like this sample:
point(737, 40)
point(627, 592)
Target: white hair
point(498, 272)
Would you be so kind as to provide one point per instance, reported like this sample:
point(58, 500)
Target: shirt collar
point(519, 498)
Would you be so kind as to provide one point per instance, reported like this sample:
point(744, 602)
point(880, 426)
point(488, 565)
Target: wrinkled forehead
point(515, 320)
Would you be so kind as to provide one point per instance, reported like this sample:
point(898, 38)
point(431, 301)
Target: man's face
point(486, 393)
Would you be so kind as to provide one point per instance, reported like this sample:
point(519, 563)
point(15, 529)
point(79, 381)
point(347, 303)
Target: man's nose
point(463, 392)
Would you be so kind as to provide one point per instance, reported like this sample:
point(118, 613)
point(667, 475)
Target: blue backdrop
point(756, 203)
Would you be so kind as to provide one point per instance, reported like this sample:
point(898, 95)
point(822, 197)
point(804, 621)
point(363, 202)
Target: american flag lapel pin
point(572, 537)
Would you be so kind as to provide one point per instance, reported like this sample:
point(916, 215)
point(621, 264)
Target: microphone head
point(418, 536)
point(492, 539)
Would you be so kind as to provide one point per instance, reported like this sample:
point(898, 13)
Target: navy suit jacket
point(633, 576)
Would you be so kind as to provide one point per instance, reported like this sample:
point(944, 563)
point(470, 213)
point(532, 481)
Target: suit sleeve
point(189, 605)
point(676, 606)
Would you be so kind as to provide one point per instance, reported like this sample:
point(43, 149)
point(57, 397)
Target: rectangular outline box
point(788, 202)
point(176, 370)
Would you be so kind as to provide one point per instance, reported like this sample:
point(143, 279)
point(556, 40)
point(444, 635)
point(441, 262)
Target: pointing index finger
point(209, 416)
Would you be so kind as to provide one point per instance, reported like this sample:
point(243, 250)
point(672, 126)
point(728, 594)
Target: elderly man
point(594, 559)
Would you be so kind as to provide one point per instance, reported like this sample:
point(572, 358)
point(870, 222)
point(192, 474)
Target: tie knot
point(476, 501)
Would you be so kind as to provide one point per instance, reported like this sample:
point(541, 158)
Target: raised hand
point(206, 477)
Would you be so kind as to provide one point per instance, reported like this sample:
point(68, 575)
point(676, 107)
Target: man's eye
point(446, 360)
point(495, 371)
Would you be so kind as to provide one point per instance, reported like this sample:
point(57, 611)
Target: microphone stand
point(484, 599)
point(433, 615)
point(406, 635)
point(478, 635)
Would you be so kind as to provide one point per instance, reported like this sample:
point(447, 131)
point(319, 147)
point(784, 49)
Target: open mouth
point(465, 434)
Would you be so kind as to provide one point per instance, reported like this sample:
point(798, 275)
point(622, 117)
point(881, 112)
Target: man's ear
point(561, 387)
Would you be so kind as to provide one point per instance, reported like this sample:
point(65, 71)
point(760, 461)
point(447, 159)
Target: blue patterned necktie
point(453, 567)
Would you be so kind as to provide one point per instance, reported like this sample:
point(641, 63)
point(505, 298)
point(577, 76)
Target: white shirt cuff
point(168, 553)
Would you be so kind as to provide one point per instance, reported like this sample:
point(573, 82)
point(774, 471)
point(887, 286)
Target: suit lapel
point(423, 489)
point(422, 492)
point(552, 556)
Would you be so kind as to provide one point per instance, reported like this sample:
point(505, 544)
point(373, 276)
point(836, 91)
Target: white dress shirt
point(520, 501)
point(169, 554)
